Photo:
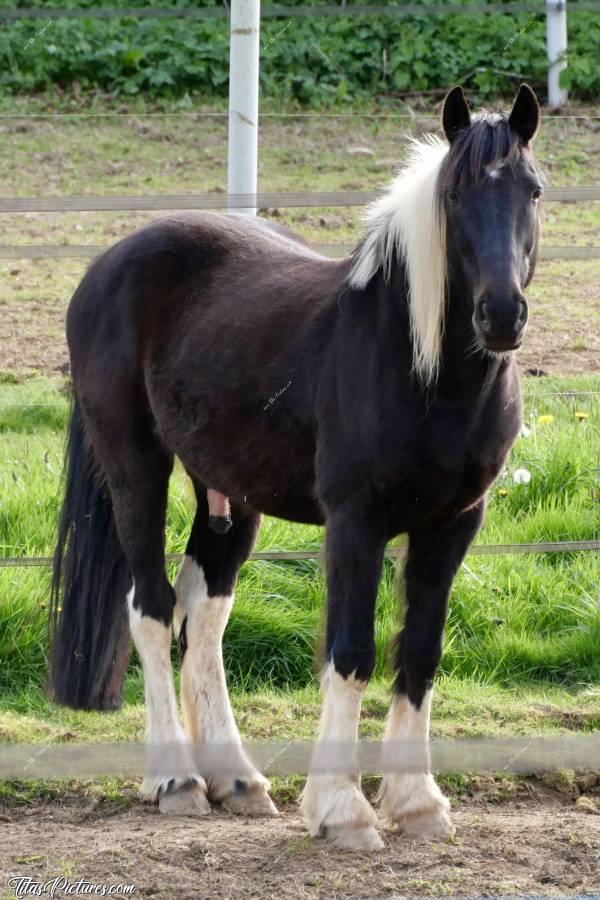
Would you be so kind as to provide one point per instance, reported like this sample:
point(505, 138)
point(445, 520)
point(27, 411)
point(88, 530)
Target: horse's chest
point(447, 469)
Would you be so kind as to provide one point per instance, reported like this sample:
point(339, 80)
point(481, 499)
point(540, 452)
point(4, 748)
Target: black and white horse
point(377, 395)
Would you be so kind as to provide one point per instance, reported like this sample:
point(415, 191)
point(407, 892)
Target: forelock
point(489, 143)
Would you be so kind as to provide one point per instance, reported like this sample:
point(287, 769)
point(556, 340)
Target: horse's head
point(490, 188)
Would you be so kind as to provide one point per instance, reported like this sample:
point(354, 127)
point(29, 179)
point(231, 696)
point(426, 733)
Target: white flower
point(521, 476)
point(525, 431)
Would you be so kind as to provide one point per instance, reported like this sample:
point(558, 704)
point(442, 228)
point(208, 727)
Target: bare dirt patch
point(536, 844)
point(147, 154)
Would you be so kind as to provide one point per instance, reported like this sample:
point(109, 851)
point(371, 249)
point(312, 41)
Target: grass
point(525, 619)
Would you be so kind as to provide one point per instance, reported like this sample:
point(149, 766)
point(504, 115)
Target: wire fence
point(276, 11)
point(398, 553)
point(211, 114)
point(262, 200)
point(89, 251)
point(265, 200)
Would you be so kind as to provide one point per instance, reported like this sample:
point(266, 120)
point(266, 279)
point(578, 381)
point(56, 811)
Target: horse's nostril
point(481, 314)
point(522, 317)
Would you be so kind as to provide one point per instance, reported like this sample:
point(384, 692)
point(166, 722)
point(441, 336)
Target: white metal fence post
point(556, 31)
point(243, 99)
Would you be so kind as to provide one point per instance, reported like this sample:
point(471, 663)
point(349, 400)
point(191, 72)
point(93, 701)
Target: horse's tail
point(88, 615)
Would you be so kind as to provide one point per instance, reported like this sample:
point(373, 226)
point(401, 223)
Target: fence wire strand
point(413, 116)
point(281, 11)
point(10, 562)
point(88, 251)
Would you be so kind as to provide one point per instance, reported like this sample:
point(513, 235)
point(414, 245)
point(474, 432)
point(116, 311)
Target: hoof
point(176, 796)
point(430, 823)
point(249, 799)
point(345, 838)
point(187, 800)
point(415, 805)
point(335, 809)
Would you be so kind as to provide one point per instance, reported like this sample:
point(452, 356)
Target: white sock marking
point(207, 710)
point(153, 642)
point(336, 800)
point(410, 793)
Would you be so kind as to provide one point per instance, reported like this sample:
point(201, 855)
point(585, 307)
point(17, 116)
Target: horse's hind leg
point(137, 469)
point(412, 800)
point(204, 590)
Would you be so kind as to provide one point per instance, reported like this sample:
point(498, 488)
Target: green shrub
point(313, 61)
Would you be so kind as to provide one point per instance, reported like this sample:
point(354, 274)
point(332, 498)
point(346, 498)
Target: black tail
point(88, 614)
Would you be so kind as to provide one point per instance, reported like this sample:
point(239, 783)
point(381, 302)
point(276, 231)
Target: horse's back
point(216, 326)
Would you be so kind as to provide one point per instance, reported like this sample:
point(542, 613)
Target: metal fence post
point(243, 99)
point(556, 31)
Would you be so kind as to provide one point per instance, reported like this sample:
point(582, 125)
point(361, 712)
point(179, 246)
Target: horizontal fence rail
point(467, 755)
point(390, 553)
point(289, 12)
point(262, 200)
point(88, 251)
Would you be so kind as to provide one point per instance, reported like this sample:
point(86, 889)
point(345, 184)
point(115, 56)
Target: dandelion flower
point(502, 492)
point(545, 420)
point(521, 476)
point(581, 415)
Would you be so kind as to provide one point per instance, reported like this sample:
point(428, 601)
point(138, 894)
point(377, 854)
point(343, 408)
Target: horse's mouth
point(500, 345)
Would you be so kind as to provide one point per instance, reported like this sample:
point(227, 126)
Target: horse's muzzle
point(500, 323)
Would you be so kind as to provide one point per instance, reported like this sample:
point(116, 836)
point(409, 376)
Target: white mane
point(408, 221)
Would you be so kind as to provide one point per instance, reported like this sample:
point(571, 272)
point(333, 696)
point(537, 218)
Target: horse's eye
point(453, 197)
point(536, 194)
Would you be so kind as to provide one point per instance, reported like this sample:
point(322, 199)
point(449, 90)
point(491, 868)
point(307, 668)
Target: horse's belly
point(273, 474)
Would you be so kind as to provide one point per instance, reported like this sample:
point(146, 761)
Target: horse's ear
point(525, 114)
point(455, 113)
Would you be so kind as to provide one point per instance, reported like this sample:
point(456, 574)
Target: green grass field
point(520, 626)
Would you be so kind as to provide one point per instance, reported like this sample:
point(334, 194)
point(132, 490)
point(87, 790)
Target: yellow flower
point(545, 420)
point(582, 415)
point(502, 492)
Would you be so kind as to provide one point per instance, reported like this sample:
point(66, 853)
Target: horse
point(376, 395)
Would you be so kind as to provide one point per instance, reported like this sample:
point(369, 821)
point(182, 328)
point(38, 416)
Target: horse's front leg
point(413, 800)
point(333, 804)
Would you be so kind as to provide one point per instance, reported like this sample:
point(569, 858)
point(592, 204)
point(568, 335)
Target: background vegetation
point(310, 60)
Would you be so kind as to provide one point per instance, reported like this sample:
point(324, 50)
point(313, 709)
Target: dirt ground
point(537, 843)
point(132, 155)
